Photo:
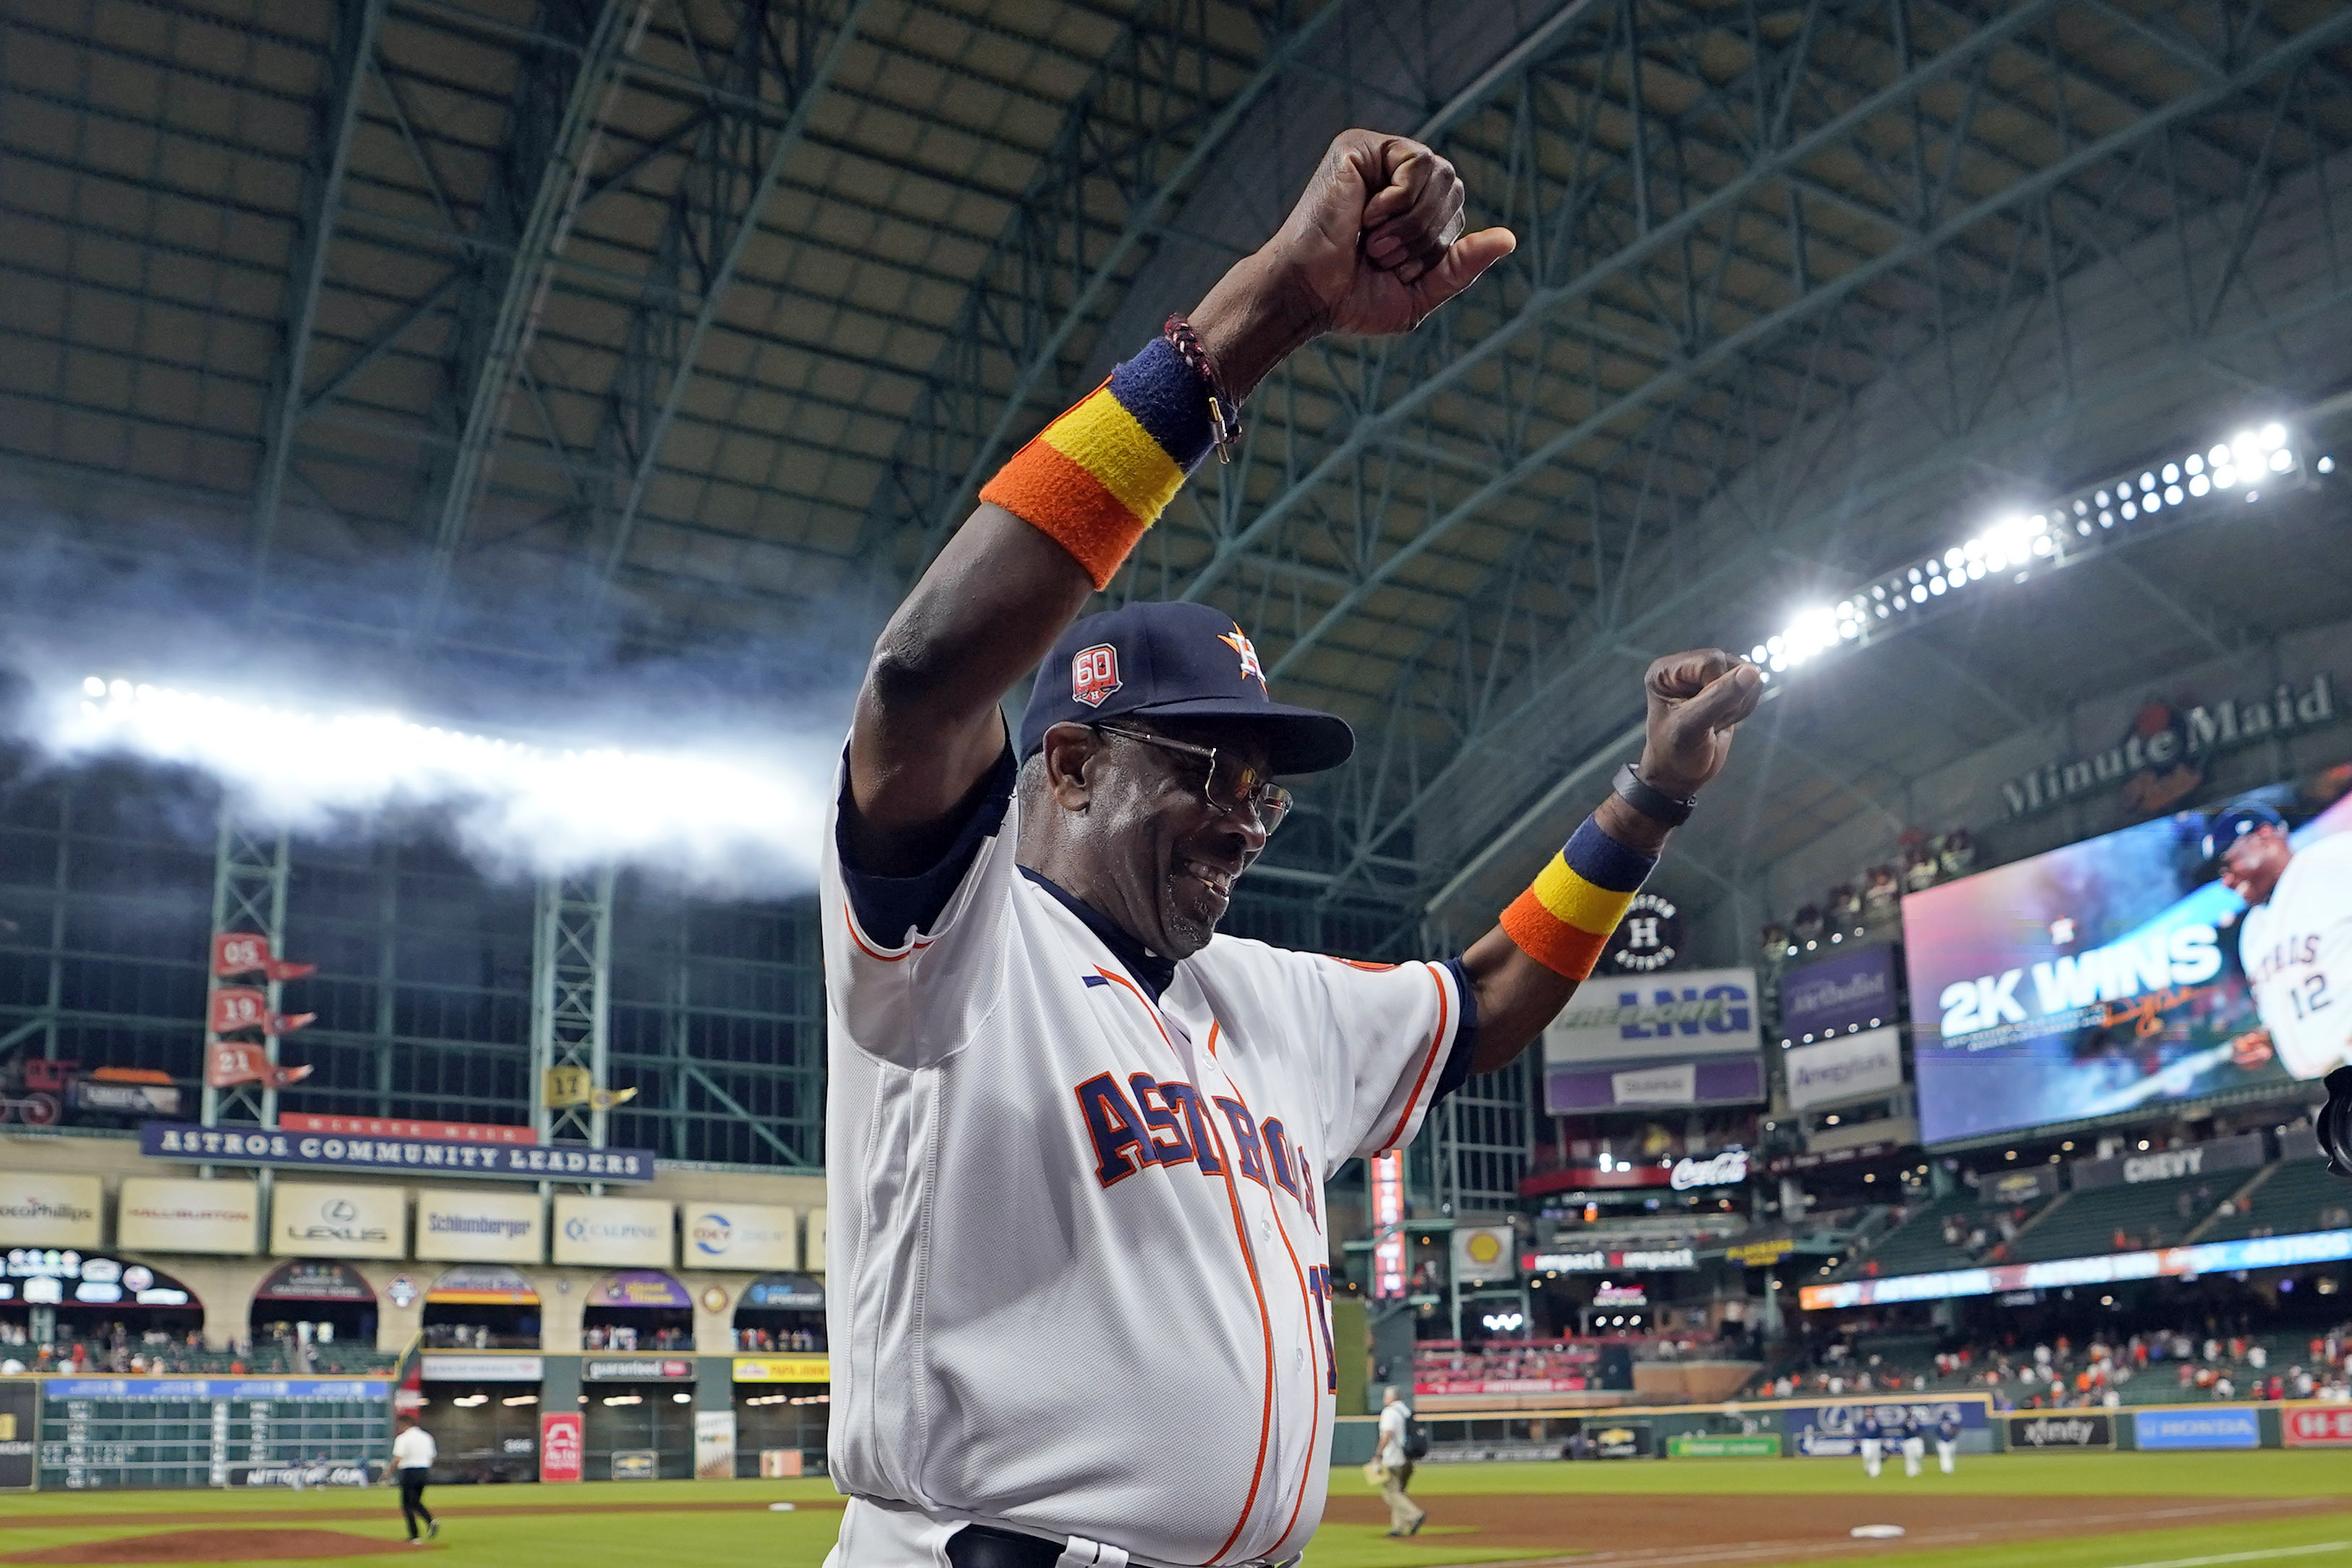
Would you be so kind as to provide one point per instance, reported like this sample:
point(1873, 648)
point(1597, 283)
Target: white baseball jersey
point(2297, 950)
point(1080, 1284)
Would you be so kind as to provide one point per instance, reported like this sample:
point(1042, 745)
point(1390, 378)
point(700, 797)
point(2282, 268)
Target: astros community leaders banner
point(265, 1146)
point(159, 1215)
point(49, 1211)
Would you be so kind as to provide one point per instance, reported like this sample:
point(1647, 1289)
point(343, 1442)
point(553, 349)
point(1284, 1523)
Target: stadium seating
point(2296, 1196)
point(2086, 1223)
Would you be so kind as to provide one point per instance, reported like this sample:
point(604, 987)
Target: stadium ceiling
point(701, 323)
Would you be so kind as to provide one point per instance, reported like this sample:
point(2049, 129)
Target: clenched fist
point(1696, 699)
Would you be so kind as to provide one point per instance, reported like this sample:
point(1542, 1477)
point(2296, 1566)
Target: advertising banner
point(2102, 1269)
point(308, 1281)
point(812, 1248)
point(2018, 1187)
point(2303, 1425)
point(407, 1156)
point(562, 1444)
point(784, 1294)
point(483, 1284)
point(1713, 1446)
point(2242, 1153)
point(2061, 1430)
point(2224, 1429)
point(1387, 1180)
point(612, 1230)
point(1621, 1439)
point(1844, 1069)
point(636, 1369)
point(1711, 1080)
point(125, 1099)
point(1484, 1253)
point(47, 1275)
point(337, 1221)
point(739, 1235)
point(635, 1464)
point(162, 1214)
point(714, 1445)
point(1611, 1261)
point(1856, 988)
point(20, 1417)
point(2096, 979)
point(181, 1390)
point(1826, 1431)
point(443, 1367)
point(638, 1288)
point(1656, 1018)
point(480, 1224)
point(302, 1477)
point(783, 1369)
point(49, 1211)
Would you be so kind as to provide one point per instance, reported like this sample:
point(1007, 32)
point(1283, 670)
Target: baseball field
point(2091, 1511)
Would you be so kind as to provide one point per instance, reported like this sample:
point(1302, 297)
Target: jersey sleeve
point(911, 963)
point(1390, 1041)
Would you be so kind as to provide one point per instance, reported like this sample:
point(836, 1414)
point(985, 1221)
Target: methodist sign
point(280, 1147)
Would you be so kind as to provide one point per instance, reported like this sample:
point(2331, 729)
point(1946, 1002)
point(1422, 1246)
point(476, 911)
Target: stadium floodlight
point(740, 814)
point(2018, 544)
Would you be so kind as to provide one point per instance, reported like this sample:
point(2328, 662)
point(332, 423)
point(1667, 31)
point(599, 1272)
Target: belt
point(984, 1546)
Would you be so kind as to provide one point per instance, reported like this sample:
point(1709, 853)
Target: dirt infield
point(216, 1546)
point(386, 1510)
point(1612, 1530)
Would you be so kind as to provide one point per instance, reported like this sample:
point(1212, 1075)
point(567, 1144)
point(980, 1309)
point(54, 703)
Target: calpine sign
point(2160, 759)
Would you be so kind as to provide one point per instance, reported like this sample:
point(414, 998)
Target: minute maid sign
point(739, 1235)
point(2160, 759)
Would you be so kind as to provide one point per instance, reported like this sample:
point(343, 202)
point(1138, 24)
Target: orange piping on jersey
point(1265, 1319)
point(1445, 1002)
point(1134, 990)
point(866, 948)
point(1315, 1383)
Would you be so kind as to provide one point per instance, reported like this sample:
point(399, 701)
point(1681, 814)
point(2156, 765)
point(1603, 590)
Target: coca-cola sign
point(1726, 1169)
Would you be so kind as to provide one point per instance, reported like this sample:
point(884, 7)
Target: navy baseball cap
point(1159, 660)
point(2235, 822)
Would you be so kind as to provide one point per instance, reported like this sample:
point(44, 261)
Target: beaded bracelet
point(1224, 409)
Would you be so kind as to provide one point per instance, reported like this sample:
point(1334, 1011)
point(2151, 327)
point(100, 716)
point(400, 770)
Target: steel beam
point(784, 57)
point(555, 129)
point(337, 114)
point(1132, 131)
point(571, 999)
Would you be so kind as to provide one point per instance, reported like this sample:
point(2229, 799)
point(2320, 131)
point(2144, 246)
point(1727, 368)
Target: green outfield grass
point(556, 1527)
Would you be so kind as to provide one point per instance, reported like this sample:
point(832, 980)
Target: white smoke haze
point(701, 772)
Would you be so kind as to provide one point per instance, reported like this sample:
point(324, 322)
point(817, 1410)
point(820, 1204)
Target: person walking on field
point(1947, 1439)
point(413, 1453)
point(1915, 1443)
point(1868, 1437)
point(1405, 1516)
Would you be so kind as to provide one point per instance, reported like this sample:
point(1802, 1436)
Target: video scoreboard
point(109, 1433)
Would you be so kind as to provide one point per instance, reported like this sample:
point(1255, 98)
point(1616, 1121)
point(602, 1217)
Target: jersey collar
point(1149, 969)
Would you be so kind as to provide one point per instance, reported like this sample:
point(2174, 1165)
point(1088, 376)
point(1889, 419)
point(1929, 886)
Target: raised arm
point(1524, 971)
point(1374, 246)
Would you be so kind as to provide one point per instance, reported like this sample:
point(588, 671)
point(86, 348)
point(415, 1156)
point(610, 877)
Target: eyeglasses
point(1229, 784)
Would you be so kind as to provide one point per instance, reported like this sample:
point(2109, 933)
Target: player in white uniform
point(2296, 944)
point(1080, 1306)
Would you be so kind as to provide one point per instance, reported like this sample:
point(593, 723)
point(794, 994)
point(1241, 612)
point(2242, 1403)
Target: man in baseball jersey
point(1947, 1439)
point(2296, 944)
point(1080, 1306)
point(1869, 1438)
point(1915, 1442)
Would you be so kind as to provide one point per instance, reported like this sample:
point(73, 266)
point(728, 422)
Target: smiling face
point(1127, 827)
point(2252, 864)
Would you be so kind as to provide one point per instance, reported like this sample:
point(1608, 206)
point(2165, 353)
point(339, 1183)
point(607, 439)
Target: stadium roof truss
point(709, 318)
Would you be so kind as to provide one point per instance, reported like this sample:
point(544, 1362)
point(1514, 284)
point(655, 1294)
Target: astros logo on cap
point(1093, 673)
point(1240, 644)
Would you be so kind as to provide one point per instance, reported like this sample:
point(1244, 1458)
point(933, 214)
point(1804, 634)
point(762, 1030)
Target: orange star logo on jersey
point(1240, 644)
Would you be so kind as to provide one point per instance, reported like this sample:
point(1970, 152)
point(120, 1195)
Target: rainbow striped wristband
point(1100, 474)
point(1564, 919)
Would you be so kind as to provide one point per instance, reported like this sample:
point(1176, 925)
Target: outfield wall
point(1801, 1429)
